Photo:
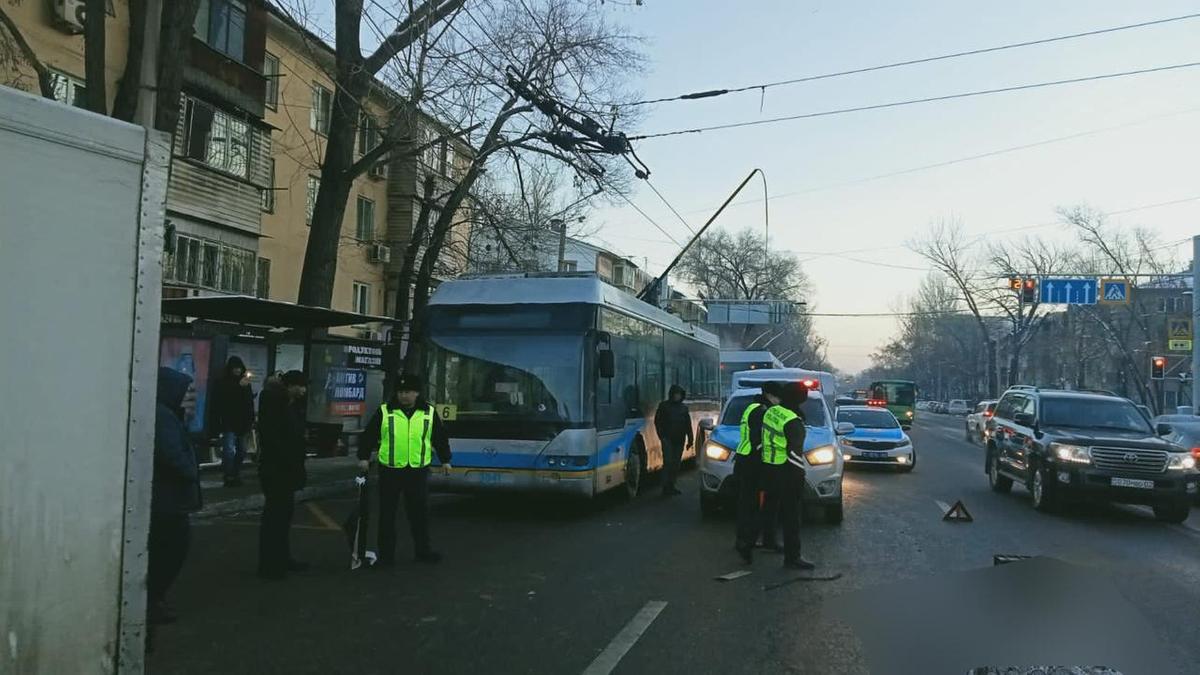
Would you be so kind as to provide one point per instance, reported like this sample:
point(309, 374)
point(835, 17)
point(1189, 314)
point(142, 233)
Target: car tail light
point(811, 384)
point(987, 413)
point(1196, 454)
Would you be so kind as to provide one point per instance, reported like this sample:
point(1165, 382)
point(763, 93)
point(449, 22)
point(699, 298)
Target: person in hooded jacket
point(175, 490)
point(233, 417)
point(673, 423)
point(282, 450)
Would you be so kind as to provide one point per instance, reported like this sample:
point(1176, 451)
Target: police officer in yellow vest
point(403, 437)
point(747, 470)
point(783, 465)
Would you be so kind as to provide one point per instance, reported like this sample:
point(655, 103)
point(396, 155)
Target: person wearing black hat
point(403, 436)
point(280, 469)
point(783, 463)
point(747, 468)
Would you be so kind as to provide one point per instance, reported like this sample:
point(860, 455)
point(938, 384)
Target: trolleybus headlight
point(822, 455)
point(717, 452)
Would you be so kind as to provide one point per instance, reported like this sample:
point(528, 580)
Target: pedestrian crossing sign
point(1179, 328)
point(1114, 291)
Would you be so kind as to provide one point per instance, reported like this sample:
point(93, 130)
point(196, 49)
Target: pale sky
point(706, 44)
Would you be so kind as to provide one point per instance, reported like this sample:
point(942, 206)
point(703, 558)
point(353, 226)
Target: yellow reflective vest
point(744, 445)
point(774, 448)
point(406, 441)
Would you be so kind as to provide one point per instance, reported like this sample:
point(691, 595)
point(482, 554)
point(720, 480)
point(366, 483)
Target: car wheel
point(834, 512)
point(635, 469)
point(999, 483)
point(709, 505)
point(1040, 491)
point(1172, 512)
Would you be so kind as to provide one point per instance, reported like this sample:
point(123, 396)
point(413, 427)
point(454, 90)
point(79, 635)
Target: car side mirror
point(606, 363)
point(1024, 419)
point(708, 424)
point(1163, 429)
point(844, 428)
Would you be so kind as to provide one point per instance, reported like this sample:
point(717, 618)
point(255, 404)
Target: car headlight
point(822, 455)
point(717, 452)
point(908, 413)
point(1071, 453)
point(904, 443)
point(1181, 461)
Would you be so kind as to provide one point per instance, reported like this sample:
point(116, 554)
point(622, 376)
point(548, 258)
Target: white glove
point(446, 469)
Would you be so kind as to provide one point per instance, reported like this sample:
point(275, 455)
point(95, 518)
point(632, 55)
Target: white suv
point(958, 407)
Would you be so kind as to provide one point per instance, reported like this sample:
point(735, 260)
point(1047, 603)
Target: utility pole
point(562, 239)
point(1195, 314)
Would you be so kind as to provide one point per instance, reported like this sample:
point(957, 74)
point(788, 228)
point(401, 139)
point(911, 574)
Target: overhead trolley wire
point(910, 62)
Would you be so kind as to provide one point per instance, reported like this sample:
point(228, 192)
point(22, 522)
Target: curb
point(255, 502)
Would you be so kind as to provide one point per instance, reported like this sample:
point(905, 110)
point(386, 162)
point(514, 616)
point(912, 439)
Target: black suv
point(1071, 444)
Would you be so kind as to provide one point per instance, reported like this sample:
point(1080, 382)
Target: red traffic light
point(811, 384)
point(1159, 362)
point(1030, 284)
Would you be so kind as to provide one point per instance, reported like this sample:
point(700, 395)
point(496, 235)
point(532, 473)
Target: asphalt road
point(546, 586)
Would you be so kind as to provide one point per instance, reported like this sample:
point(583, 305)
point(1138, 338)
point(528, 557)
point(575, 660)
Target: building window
point(570, 265)
point(271, 73)
point(362, 298)
point(209, 264)
point(368, 134)
point(217, 138)
point(314, 185)
point(210, 254)
point(186, 264)
point(366, 219)
point(221, 24)
point(322, 103)
point(68, 89)
point(262, 278)
point(268, 194)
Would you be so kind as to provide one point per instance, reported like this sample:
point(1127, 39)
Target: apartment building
point(247, 152)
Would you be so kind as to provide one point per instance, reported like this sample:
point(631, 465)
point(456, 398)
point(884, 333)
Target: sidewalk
point(326, 476)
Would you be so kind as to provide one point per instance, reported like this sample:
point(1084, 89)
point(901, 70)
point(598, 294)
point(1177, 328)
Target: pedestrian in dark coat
point(175, 490)
point(282, 450)
point(233, 417)
point(673, 424)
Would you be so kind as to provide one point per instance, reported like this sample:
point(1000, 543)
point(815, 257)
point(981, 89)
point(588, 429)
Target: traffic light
point(1029, 291)
point(1158, 367)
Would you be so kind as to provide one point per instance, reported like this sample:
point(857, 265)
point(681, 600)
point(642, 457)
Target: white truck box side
point(81, 214)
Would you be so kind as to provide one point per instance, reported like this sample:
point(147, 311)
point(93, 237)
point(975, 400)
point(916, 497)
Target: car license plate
point(1133, 483)
point(874, 455)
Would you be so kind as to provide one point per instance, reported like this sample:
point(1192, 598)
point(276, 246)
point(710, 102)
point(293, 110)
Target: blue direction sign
point(1067, 291)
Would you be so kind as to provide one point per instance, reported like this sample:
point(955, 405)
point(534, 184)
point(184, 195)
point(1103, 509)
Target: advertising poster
point(346, 391)
point(189, 356)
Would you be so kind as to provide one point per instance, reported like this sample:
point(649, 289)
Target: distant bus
point(898, 396)
point(734, 360)
point(549, 383)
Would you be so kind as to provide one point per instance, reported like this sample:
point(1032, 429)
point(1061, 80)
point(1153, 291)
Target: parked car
point(823, 469)
point(958, 407)
point(975, 421)
point(1064, 445)
point(877, 438)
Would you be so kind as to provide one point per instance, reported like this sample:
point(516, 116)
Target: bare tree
point(16, 52)
point(1027, 258)
point(947, 248)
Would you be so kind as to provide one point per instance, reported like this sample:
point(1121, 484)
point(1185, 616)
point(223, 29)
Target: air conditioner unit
point(380, 253)
point(378, 170)
point(69, 15)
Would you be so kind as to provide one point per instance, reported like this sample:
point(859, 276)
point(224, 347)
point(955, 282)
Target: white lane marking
point(943, 506)
point(624, 641)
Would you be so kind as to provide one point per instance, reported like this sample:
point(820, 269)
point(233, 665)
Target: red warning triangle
point(958, 512)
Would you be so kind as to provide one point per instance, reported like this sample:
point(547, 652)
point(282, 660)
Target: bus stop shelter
point(346, 372)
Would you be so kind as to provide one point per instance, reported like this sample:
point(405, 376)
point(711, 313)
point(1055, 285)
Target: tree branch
point(413, 27)
point(45, 81)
